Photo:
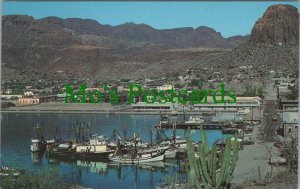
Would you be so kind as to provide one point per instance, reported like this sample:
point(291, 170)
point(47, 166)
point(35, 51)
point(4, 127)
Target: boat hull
point(80, 155)
point(138, 160)
point(37, 148)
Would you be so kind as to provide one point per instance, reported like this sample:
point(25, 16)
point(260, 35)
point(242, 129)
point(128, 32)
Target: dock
point(206, 126)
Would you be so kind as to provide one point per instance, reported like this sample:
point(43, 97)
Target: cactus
point(202, 173)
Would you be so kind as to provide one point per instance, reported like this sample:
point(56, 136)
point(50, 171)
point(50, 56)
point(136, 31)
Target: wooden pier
point(206, 126)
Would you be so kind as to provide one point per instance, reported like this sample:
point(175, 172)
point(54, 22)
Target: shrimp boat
point(38, 143)
point(97, 147)
point(142, 156)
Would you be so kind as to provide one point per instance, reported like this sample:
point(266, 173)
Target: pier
point(207, 126)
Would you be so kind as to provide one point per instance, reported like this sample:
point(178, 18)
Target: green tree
point(260, 92)
point(294, 93)
point(250, 90)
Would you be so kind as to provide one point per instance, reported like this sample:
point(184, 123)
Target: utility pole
point(252, 115)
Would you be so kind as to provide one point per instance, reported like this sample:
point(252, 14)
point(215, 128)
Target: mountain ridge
point(90, 49)
point(181, 37)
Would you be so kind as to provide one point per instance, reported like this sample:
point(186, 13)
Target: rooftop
point(290, 117)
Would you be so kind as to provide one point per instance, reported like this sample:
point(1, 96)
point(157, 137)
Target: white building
point(164, 87)
point(241, 102)
point(27, 101)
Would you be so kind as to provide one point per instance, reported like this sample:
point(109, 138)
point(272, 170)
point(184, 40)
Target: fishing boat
point(38, 143)
point(141, 156)
point(36, 157)
point(97, 147)
point(54, 140)
point(135, 141)
point(171, 153)
point(64, 149)
point(177, 143)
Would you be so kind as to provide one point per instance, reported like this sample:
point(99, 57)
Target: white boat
point(174, 147)
point(195, 119)
point(170, 154)
point(36, 145)
point(179, 143)
point(136, 141)
point(97, 146)
point(150, 155)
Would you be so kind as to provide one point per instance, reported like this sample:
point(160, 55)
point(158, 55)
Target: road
point(270, 111)
point(257, 155)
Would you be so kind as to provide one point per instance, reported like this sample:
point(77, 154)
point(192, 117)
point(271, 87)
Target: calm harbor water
point(17, 131)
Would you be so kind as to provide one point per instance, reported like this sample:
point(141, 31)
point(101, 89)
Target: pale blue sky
point(229, 18)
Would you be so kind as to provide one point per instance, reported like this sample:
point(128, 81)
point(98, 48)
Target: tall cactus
point(202, 172)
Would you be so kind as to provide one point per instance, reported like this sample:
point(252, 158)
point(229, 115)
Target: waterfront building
point(27, 101)
point(241, 103)
point(142, 106)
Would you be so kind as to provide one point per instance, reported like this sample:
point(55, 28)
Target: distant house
point(61, 98)
point(28, 93)
point(27, 101)
point(165, 87)
point(289, 104)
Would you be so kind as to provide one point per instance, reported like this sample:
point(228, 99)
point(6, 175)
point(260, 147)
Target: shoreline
point(93, 112)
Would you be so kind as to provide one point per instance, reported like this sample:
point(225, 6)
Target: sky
point(229, 18)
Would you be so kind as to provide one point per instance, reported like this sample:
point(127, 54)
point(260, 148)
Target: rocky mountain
point(279, 25)
point(274, 41)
